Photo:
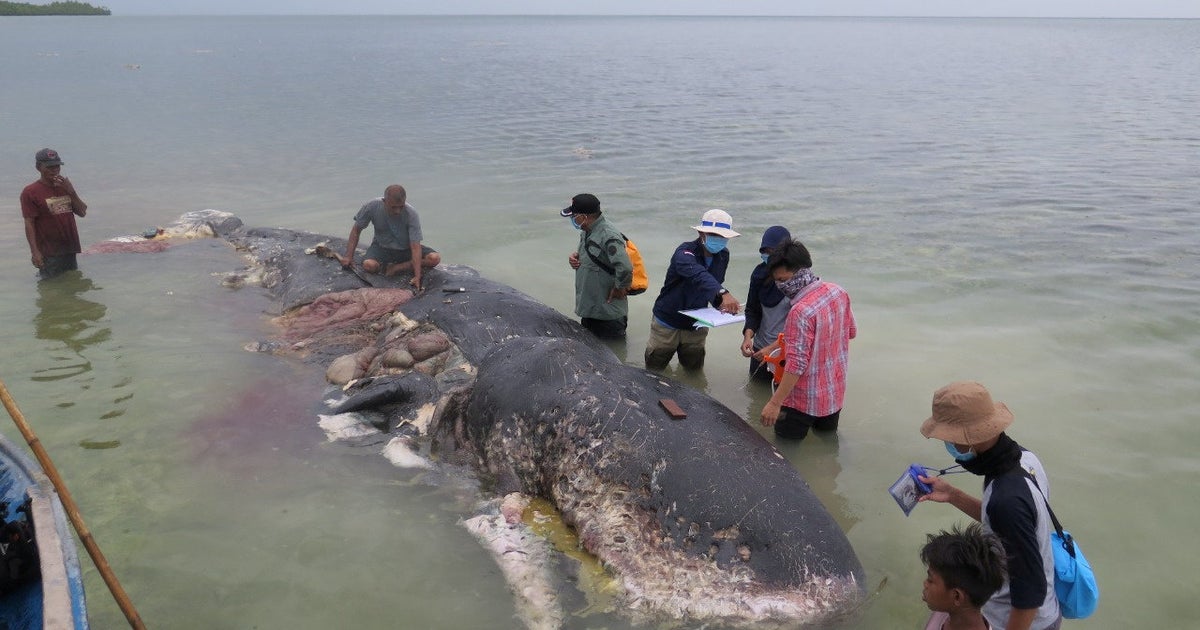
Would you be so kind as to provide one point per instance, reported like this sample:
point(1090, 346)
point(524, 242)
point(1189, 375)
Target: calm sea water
point(1013, 201)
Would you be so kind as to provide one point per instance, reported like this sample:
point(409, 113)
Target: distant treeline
point(54, 8)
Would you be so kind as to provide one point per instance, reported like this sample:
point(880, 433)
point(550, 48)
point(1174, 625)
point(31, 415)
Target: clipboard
point(709, 317)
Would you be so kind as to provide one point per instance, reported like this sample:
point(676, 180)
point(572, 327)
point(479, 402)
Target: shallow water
point(1011, 201)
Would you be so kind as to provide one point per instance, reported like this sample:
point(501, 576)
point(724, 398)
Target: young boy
point(964, 568)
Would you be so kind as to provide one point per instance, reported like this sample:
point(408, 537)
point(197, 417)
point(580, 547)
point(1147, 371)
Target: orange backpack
point(641, 281)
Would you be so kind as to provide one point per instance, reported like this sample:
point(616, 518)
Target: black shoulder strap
point(607, 268)
point(1068, 542)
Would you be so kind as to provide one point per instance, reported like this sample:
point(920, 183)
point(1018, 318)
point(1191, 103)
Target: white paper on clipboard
point(709, 317)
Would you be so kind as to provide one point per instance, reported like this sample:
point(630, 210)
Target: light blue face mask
point(765, 257)
point(958, 455)
point(573, 223)
point(714, 244)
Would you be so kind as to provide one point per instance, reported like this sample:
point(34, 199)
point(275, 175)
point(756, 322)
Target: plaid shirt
point(816, 341)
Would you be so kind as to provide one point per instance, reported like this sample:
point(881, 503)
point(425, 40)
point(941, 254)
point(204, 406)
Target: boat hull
point(57, 599)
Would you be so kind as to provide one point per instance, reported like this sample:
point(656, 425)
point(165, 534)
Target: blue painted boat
point(56, 599)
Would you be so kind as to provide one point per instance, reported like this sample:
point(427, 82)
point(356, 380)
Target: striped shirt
point(816, 341)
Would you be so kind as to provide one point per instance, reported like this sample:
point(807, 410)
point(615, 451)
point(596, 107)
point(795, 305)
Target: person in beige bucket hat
point(973, 426)
point(963, 413)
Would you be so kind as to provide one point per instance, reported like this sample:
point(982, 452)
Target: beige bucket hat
point(963, 413)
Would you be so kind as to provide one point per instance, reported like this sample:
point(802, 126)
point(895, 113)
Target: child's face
point(935, 594)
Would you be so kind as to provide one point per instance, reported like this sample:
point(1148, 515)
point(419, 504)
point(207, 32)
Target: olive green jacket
point(592, 283)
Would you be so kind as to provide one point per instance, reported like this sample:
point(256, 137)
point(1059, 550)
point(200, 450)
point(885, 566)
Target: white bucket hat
point(717, 222)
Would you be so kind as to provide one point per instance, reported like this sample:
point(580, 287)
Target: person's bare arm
point(770, 411)
point(729, 304)
point(31, 236)
point(77, 204)
point(351, 245)
point(943, 492)
point(418, 263)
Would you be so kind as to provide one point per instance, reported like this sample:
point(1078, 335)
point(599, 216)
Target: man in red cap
point(49, 206)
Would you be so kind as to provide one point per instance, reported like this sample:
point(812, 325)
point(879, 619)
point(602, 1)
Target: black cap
point(48, 157)
point(584, 203)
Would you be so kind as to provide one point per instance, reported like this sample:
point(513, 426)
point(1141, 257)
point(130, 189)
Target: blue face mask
point(573, 223)
point(714, 244)
point(765, 257)
point(958, 455)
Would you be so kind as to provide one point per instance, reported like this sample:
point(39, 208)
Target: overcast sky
point(970, 8)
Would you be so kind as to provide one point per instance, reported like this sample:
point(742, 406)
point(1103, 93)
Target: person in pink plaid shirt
point(816, 340)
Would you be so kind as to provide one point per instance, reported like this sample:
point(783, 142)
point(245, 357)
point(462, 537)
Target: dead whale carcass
point(699, 520)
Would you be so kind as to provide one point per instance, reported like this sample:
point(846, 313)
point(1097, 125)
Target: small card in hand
point(908, 487)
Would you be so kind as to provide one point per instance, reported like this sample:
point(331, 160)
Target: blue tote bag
point(1074, 581)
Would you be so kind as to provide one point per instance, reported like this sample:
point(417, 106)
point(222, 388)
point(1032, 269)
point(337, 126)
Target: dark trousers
point(606, 328)
point(759, 371)
point(55, 265)
point(794, 425)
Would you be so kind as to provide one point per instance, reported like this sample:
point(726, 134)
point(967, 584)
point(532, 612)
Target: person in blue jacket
point(766, 306)
point(694, 280)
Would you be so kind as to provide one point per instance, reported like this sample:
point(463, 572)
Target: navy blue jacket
point(690, 284)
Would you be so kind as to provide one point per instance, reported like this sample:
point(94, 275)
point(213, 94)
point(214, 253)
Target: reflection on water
point(816, 457)
point(65, 317)
point(620, 348)
point(73, 325)
point(696, 379)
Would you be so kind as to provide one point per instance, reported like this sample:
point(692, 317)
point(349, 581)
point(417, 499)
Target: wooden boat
point(55, 600)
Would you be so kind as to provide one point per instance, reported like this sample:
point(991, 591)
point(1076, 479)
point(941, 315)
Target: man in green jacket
point(603, 272)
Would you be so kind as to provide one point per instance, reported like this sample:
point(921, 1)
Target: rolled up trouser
point(664, 342)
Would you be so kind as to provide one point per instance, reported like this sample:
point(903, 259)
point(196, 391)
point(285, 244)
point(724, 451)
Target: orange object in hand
point(775, 359)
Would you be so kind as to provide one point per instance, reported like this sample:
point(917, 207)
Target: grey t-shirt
point(390, 232)
point(773, 320)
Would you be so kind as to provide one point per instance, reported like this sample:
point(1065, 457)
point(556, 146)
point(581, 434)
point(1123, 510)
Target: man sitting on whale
point(397, 240)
